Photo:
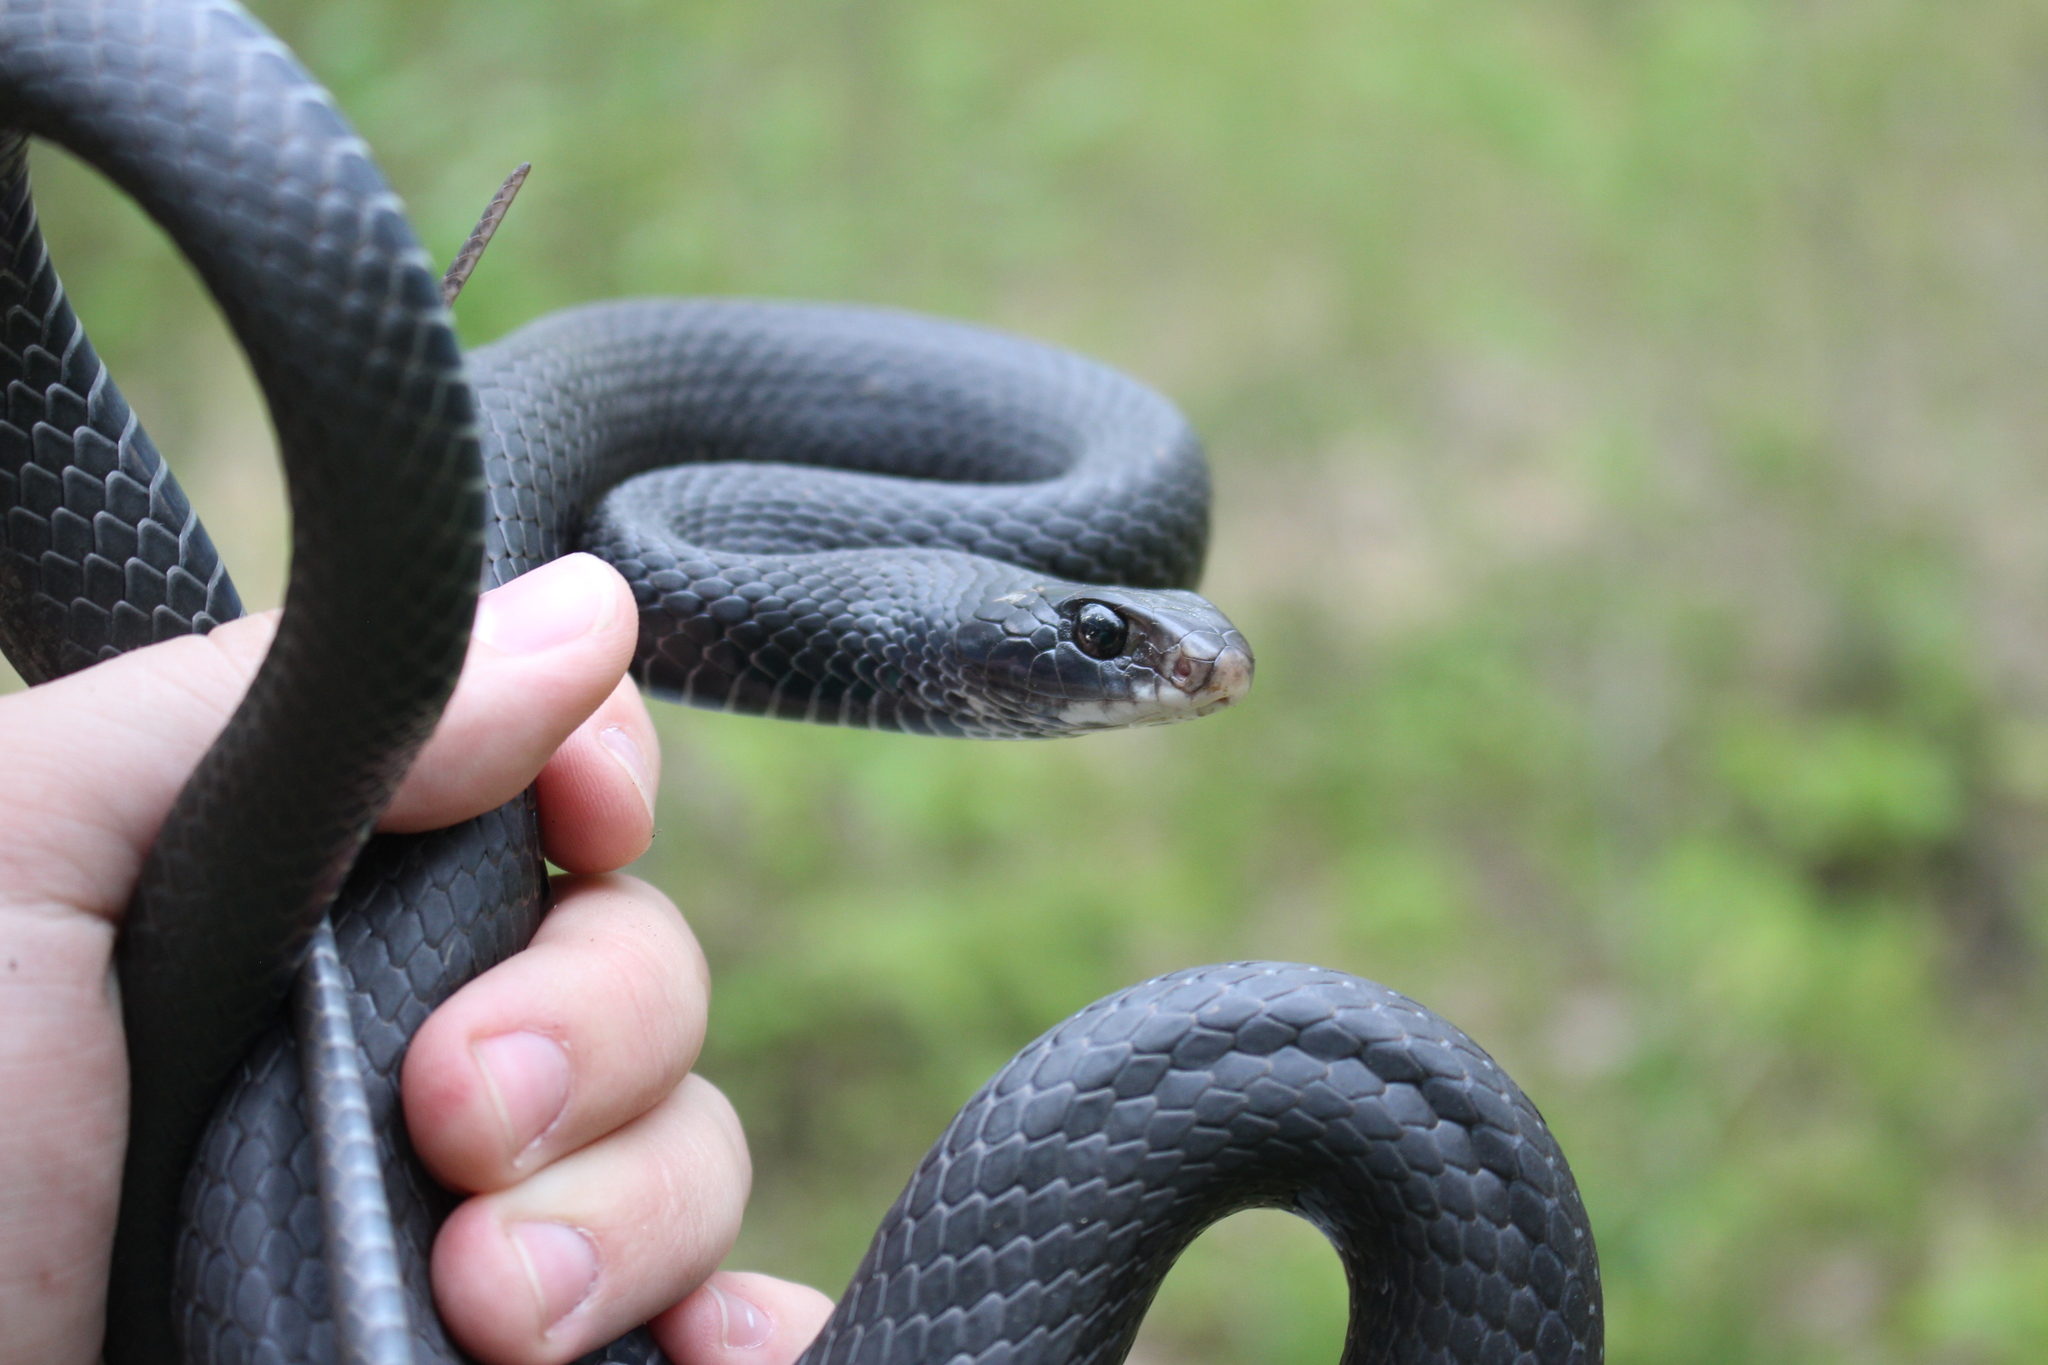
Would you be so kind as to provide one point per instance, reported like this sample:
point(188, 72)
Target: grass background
point(1626, 417)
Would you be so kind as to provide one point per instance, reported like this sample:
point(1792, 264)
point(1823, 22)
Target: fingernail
point(742, 1326)
point(550, 606)
point(528, 1075)
point(623, 748)
point(561, 1265)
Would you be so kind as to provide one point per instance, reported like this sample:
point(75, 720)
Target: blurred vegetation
point(1626, 416)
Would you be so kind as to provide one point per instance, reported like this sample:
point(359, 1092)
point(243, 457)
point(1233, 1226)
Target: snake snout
point(1212, 669)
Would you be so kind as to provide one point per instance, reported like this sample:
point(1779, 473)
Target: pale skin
point(606, 1179)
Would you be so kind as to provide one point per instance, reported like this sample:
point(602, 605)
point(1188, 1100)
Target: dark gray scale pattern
point(789, 567)
point(420, 915)
point(365, 1282)
point(214, 129)
point(1106, 482)
point(102, 553)
point(1040, 1226)
point(822, 509)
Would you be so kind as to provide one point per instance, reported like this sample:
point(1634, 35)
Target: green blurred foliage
point(1626, 422)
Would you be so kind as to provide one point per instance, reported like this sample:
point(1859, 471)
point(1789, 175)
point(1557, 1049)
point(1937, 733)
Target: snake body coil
point(1022, 570)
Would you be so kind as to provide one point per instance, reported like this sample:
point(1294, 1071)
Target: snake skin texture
point(1042, 1222)
point(776, 574)
point(862, 517)
point(367, 1283)
point(420, 915)
point(211, 126)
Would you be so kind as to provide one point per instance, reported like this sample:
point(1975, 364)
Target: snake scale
point(841, 515)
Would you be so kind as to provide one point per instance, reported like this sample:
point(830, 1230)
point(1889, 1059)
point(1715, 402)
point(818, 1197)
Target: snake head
point(1057, 658)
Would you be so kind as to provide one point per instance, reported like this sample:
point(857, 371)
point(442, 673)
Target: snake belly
point(1040, 1226)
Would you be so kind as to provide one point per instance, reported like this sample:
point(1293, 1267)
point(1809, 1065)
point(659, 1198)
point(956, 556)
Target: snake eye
point(1100, 631)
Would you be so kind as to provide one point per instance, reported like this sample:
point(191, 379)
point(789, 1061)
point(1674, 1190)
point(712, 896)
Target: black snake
point(971, 597)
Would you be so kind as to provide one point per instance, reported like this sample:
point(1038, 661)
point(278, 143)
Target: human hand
point(606, 1180)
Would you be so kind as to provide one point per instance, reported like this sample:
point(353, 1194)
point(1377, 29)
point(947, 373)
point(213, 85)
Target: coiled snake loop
point(1024, 571)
